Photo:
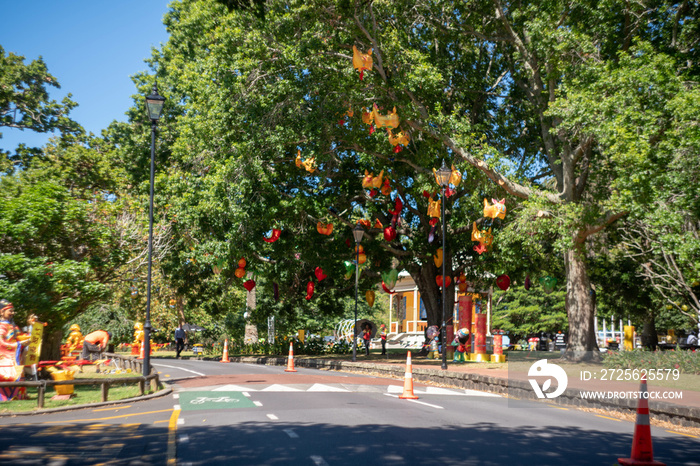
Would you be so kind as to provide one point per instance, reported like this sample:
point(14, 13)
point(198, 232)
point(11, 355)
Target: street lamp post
point(358, 232)
point(154, 105)
point(443, 178)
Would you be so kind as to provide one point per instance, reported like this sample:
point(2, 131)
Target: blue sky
point(92, 47)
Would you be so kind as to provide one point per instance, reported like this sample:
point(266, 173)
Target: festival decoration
point(390, 233)
point(503, 282)
point(390, 277)
point(434, 207)
point(401, 139)
point(309, 164)
point(439, 280)
point(309, 290)
point(319, 274)
point(497, 209)
point(369, 296)
point(242, 262)
point(371, 181)
point(324, 228)
point(387, 290)
point(431, 235)
point(437, 258)
point(480, 248)
point(276, 291)
point(274, 236)
point(377, 224)
point(528, 283)
point(462, 283)
point(218, 266)
point(362, 61)
point(240, 272)
point(349, 269)
point(390, 120)
point(456, 177)
point(386, 187)
point(548, 283)
point(249, 285)
point(482, 236)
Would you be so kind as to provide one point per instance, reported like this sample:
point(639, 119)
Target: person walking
point(179, 341)
point(95, 343)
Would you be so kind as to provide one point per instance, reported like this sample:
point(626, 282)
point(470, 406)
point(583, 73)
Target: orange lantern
point(240, 272)
point(324, 229)
point(369, 296)
point(241, 262)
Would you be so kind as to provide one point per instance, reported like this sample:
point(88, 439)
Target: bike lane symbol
point(201, 400)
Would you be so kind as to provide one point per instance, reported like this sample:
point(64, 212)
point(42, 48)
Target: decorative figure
point(480, 248)
point(390, 277)
point(349, 269)
point(482, 236)
point(434, 207)
point(309, 164)
point(548, 283)
point(401, 139)
point(439, 280)
point(371, 181)
point(319, 274)
point(309, 290)
point(432, 333)
point(390, 120)
point(497, 209)
point(74, 341)
point(462, 338)
point(437, 258)
point(274, 236)
point(324, 229)
point(362, 61)
point(390, 233)
point(138, 338)
point(10, 351)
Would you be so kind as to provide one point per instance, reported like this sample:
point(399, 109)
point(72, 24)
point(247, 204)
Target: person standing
point(179, 341)
point(95, 342)
point(367, 337)
point(382, 335)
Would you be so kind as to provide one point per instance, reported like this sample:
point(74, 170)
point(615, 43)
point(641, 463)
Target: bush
point(688, 362)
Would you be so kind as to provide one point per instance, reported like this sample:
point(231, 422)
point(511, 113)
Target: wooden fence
point(122, 362)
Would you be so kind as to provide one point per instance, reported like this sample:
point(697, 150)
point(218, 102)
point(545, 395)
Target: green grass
point(83, 394)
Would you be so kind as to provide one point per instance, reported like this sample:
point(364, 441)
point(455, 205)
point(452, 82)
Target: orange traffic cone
point(224, 358)
point(290, 360)
point(142, 351)
point(408, 381)
point(642, 451)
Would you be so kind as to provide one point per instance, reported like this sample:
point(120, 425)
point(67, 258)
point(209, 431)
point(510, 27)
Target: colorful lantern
point(370, 181)
point(390, 277)
point(528, 283)
point(309, 290)
point(439, 280)
point(319, 274)
point(437, 258)
point(390, 233)
point(548, 283)
point(249, 285)
point(387, 290)
point(362, 61)
point(274, 236)
point(324, 228)
point(349, 269)
point(390, 120)
point(369, 296)
point(240, 272)
point(386, 187)
point(497, 209)
point(503, 282)
point(241, 262)
point(482, 236)
point(480, 248)
point(456, 177)
point(434, 207)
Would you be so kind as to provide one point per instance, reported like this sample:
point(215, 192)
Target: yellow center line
point(611, 418)
point(681, 433)
point(107, 418)
point(110, 409)
point(172, 441)
point(558, 407)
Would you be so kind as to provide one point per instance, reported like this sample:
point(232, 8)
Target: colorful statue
point(462, 338)
point(138, 338)
point(74, 341)
point(10, 351)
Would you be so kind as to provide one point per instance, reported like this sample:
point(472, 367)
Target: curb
point(688, 416)
point(165, 391)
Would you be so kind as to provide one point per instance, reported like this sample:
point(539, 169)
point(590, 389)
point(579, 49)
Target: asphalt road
point(242, 414)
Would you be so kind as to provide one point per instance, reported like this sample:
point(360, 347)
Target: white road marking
point(319, 461)
point(184, 439)
point(318, 387)
point(232, 388)
point(246, 394)
point(176, 407)
point(273, 417)
point(180, 421)
point(416, 401)
point(279, 388)
point(179, 368)
point(176, 395)
point(257, 403)
point(291, 433)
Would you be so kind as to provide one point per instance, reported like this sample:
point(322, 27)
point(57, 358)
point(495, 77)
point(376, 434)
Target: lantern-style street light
point(358, 232)
point(442, 176)
point(154, 105)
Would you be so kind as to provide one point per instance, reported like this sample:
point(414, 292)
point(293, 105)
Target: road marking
point(172, 431)
point(109, 409)
point(558, 407)
point(246, 394)
point(257, 403)
point(184, 439)
point(180, 422)
point(176, 395)
point(176, 407)
point(416, 401)
point(291, 433)
point(606, 417)
point(108, 418)
point(318, 387)
point(279, 388)
point(180, 369)
point(681, 433)
point(273, 417)
point(318, 460)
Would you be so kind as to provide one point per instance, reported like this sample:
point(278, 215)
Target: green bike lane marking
point(201, 400)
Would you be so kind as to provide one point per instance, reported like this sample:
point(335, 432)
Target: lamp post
point(358, 232)
point(442, 176)
point(154, 105)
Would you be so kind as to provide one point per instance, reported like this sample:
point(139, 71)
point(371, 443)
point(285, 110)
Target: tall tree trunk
point(431, 294)
point(251, 331)
point(51, 345)
point(579, 303)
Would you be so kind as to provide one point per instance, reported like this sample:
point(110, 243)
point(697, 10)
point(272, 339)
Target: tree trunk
point(251, 331)
point(51, 346)
point(579, 304)
point(431, 294)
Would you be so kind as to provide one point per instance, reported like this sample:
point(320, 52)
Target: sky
point(92, 47)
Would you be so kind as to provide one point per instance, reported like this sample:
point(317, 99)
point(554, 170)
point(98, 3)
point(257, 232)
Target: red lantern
point(309, 290)
point(503, 282)
point(438, 280)
point(390, 233)
point(249, 285)
point(319, 274)
point(241, 262)
point(273, 237)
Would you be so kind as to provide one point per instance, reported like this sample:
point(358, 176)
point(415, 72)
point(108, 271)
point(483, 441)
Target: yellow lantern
point(369, 296)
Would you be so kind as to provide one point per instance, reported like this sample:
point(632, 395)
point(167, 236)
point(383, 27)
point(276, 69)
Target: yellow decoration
point(309, 164)
point(437, 258)
point(497, 209)
point(434, 207)
point(371, 181)
point(390, 120)
point(369, 296)
point(75, 339)
point(367, 117)
point(362, 61)
point(456, 177)
point(138, 333)
point(400, 138)
point(482, 236)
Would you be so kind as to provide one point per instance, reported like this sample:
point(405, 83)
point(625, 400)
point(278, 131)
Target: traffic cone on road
point(142, 351)
point(642, 451)
point(408, 381)
point(224, 358)
point(290, 360)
